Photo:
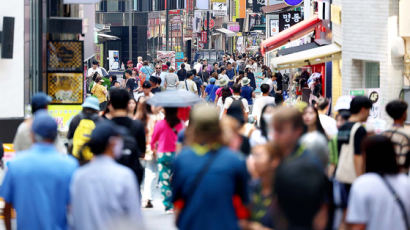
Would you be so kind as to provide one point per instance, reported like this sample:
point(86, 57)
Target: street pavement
point(156, 218)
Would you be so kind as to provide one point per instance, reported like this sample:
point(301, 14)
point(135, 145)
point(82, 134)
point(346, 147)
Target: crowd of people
point(240, 160)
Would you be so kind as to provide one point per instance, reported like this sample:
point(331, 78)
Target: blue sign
point(293, 2)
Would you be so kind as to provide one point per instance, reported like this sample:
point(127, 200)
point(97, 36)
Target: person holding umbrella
point(163, 144)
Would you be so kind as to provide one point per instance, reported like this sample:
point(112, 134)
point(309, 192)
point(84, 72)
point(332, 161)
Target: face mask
point(118, 146)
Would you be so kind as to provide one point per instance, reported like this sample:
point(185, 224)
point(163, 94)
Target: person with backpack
point(134, 139)
point(380, 198)
point(237, 99)
point(400, 136)
point(163, 144)
point(189, 83)
point(81, 127)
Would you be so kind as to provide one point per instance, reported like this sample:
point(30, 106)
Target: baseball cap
point(146, 85)
point(91, 103)
point(40, 101)
point(44, 125)
point(212, 80)
point(129, 62)
point(164, 67)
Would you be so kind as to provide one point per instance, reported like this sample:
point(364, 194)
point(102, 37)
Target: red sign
point(211, 25)
point(204, 37)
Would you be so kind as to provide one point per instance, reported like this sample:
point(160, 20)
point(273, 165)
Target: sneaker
point(148, 204)
point(169, 211)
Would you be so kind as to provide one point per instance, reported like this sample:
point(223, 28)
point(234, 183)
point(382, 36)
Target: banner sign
point(288, 19)
point(65, 88)
point(219, 9)
point(63, 114)
point(274, 27)
point(165, 56)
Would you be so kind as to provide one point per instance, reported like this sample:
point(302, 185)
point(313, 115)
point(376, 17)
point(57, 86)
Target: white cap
point(343, 102)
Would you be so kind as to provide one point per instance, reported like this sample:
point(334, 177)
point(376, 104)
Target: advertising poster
point(219, 9)
point(65, 56)
point(114, 59)
point(63, 114)
point(258, 80)
point(274, 27)
point(374, 96)
point(165, 56)
point(65, 88)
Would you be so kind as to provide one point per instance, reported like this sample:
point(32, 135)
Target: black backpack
point(131, 154)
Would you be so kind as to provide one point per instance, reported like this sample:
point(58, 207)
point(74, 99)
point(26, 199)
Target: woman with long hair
point(225, 92)
point(163, 142)
point(132, 108)
point(380, 198)
point(311, 120)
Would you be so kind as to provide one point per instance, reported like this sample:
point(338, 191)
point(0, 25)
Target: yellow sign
point(65, 88)
point(65, 56)
point(63, 114)
point(336, 14)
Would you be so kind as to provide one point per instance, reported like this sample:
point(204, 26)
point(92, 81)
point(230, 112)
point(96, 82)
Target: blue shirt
point(103, 192)
point(230, 73)
point(37, 185)
point(212, 95)
point(211, 205)
point(208, 91)
point(246, 92)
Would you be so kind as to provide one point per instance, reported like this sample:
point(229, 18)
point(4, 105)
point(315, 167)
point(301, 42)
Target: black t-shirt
point(131, 84)
point(155, 90)
point(181, 74)
point(343, 137)
point(135, 128)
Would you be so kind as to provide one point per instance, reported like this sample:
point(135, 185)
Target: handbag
point(346, 172)
point(399, 202)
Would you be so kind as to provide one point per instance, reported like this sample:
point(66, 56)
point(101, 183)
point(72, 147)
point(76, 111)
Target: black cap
point(146, 85)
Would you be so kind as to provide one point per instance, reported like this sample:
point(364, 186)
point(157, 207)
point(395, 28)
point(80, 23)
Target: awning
point(274, 8)
point(227, 32)
point(295, 49)
point(308, 57)
point(107, 36)
point(294, 32)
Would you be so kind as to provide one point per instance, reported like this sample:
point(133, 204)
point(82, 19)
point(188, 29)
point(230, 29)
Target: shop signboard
point(65, 56)
point(219, 9)
point(288, 19)
point(165, 56)
point(179, 59)
point(357, 92)
point(63, 114)
point(374, 96)
point(204, 37)
point(274, 27)
point(257, 5)
point(234, 27)
point(65, 88)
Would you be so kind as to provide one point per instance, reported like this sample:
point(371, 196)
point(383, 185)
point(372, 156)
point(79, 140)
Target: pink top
point(165, 137)
point(219, 92)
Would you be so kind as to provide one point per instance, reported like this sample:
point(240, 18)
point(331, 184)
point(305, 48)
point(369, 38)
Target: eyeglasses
point(157, 68)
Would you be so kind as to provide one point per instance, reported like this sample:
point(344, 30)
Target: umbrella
point(174, 98)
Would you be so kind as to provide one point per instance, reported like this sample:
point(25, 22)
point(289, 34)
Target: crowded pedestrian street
point(205, 115)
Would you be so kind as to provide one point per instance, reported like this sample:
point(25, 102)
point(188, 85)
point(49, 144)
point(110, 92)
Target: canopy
point(227, 32)
point(292, 33)
point(307, 57)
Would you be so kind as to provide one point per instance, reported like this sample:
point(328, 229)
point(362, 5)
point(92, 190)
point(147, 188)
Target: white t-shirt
point(91, 71)
point(329, 125)
point(372, 203)
point(229, 101)
point(187, 67)
point(190, 84)
point(258, 105)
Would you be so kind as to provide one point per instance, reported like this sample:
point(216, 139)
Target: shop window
point(112, 5)
point(371, 74)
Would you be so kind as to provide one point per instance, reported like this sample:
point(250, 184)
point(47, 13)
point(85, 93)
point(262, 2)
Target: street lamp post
point(130, 30)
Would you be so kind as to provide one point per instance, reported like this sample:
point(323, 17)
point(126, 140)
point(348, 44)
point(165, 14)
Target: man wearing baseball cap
point(37, 182)
point(22, 140)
